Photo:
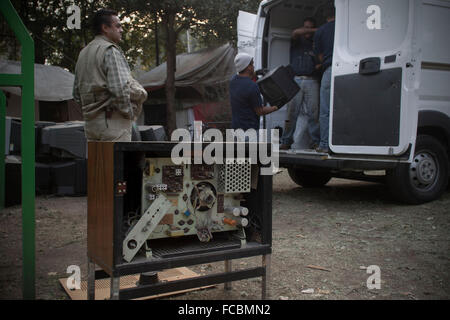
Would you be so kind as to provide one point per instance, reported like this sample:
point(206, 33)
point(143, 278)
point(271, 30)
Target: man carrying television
point(245, 97)
point(303, 109)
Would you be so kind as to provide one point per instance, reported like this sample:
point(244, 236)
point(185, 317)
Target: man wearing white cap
point(245, 97)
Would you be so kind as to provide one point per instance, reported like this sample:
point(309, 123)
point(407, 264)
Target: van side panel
point(434, 32)
point(436, 124)
point(362, 117)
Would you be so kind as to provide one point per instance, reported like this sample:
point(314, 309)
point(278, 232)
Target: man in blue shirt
point(245, 97)
point(303, 109)
point(323, 48)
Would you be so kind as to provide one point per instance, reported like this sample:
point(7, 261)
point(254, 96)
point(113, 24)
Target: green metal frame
point(26, 81)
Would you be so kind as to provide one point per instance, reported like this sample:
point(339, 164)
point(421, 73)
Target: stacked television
point(61, 157)
point(61, 167)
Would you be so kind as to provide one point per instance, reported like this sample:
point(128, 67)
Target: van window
point(377, 26)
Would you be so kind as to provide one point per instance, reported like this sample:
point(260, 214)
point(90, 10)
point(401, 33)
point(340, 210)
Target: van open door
point(375, 77)
point(246, 24)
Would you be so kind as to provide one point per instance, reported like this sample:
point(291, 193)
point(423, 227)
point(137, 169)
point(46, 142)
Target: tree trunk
point(171, 68)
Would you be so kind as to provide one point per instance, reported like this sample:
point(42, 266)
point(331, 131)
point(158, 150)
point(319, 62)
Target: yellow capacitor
point(151, 170)
point(175, 233)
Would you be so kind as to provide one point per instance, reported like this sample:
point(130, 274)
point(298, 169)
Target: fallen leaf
point(318, 268)
point(308, 291)
point(283, 298)
point(320, 291)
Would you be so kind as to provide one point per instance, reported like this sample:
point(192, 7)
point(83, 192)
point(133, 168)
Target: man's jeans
point(302, 125)
point(324, 119)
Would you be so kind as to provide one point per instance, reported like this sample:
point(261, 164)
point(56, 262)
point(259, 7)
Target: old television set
point(278, 86)
point(69, 178)
point(152, 133)
point(64, 140)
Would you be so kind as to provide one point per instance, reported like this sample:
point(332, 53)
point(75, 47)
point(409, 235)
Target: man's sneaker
point(314, 146)
point(322, 150)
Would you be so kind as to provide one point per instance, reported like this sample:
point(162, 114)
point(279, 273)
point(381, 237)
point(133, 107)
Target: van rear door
point(376, 68)
point(246, 24)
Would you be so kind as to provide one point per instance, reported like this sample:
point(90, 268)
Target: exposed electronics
point(278, 86)
point(147, 213)
point(188, 200)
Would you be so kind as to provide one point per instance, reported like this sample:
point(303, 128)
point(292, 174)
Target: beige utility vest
point(91, 80)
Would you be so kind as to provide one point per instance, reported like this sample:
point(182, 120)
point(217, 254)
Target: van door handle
point(370, 66)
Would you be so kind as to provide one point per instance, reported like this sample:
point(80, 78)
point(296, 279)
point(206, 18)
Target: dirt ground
point(342, 228)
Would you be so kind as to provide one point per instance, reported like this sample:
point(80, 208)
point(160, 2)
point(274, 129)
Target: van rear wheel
point(309, 179)
point(426, 178)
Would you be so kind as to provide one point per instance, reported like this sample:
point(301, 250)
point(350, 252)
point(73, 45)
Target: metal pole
point(28, 172)
point(265, 293)
point(26, 81)
point(91, 280)
point(115, 288)
point(228, 268)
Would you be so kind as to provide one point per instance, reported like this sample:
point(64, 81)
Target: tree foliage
point(46, 21)
point(211, 22)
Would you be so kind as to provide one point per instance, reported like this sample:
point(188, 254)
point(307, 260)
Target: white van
point(391, 125)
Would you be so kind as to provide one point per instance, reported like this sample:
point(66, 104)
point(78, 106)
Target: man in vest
point(110, 98)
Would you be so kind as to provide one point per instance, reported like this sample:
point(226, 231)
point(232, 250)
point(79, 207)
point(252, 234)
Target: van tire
point(426, 178)
point(309, 179)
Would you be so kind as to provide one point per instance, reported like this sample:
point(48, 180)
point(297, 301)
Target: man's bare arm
point(320, 56)
point(261, 111)
point(297, 33)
